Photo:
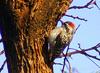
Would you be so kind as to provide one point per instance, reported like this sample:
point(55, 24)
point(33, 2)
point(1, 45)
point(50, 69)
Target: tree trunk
point(25, 26)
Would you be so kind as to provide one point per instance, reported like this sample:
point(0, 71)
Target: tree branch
point(84, 6)
point(76, 17)
point(64, 65)
point(96, 4)
point(76, 29)
point(57, 63)
point(2, 65)
point(83, 51)
point(93, 61)
point(89, 56)
point(94, 57)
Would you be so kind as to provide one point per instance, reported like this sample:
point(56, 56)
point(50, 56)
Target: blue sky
point(87, 35)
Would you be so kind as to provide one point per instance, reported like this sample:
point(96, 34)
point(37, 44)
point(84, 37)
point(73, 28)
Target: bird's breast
point(65, 37)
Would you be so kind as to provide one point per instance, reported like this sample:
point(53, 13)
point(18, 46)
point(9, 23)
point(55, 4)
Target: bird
point(59, 38)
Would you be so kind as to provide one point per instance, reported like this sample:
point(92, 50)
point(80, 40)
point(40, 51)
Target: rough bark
point(25, 27)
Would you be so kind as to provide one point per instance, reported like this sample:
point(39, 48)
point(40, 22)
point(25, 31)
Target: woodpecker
point(59, 38)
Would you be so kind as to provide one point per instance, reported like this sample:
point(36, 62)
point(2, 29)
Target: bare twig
point(83, 51)
point(70, 68)
point(64, 65)
point(93, 61)
point(76, 17)
point(97, 51)
point(84, 6)
point(76, 29)
point(2, 65)
point(96, 4)
point(57, 63)
point(87, 55)
point(1, 52)
point(94, 57)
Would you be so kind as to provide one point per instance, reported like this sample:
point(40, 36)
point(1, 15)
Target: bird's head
point(69, 25)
